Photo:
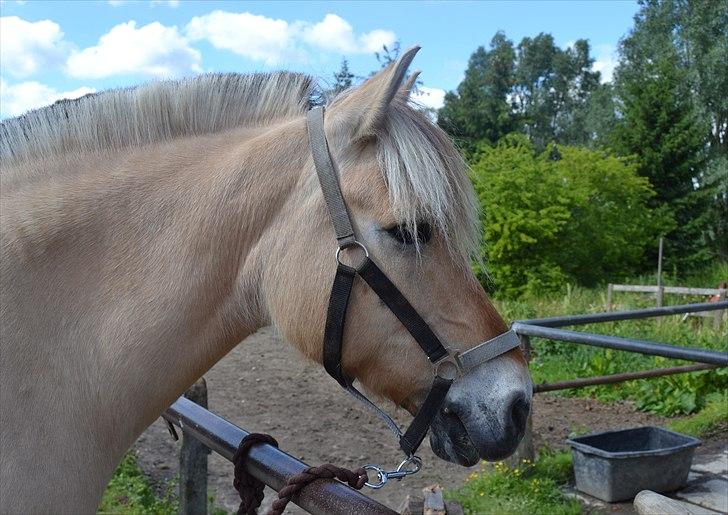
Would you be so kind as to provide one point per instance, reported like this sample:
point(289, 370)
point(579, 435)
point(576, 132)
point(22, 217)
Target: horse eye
point(403, 235)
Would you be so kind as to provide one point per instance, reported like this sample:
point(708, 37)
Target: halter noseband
point(447, 366)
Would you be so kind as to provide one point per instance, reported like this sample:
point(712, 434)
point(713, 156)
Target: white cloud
point(27, 47)
point(274, 41)
point(253, 36)
point(16, 99)
point(336, 34)
point(153, 49)
point(606, 61)
point(167, 3)
point(374, 41)
point(433, 98)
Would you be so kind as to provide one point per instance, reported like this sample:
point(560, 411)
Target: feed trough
point(616, 465)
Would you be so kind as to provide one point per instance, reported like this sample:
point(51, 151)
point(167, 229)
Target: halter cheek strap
point(447, 366)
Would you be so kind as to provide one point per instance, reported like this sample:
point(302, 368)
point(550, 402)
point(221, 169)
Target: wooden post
point(718, 315)
point(525, 450)
point(610, 291)
point(660, 288)
point(193, 462)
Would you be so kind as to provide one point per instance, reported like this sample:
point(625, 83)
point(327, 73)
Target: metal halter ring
point(448, 367)
point(409, 466)
point(354, 243)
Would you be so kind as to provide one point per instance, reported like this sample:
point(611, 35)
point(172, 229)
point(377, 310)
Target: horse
point(145, 232)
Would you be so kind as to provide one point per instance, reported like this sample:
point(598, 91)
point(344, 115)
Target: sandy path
point(264, 386)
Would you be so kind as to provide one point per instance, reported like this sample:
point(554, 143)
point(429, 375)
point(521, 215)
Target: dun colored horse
point(147, 231)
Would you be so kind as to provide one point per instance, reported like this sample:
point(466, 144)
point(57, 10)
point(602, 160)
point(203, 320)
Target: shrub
point(568, 214)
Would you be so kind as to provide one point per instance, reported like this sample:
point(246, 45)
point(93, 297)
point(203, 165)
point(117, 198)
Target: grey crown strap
point(328, 178)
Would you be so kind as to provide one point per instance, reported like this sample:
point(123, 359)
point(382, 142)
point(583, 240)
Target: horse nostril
point(518, 411)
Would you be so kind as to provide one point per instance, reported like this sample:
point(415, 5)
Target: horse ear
point(406, 90)
point(365, 109)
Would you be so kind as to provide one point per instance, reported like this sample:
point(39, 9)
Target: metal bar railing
point(613, 316)
point(625, 344)
point(619, 378)
point(269, 464)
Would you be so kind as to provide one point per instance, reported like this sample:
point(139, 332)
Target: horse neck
point(155, 262)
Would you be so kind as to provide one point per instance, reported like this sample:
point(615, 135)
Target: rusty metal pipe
point(618, 378)
point(269, 464)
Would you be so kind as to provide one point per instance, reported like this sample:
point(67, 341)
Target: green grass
point(528, 489)
point(712, 420)
point(670, 395)
point(129, 492)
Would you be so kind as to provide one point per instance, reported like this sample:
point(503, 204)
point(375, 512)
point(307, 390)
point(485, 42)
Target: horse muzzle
point(484, 415)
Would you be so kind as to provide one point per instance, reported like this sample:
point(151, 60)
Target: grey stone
point(712, 494)
point(716, 464)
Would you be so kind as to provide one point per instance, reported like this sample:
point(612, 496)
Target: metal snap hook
point(410, 465)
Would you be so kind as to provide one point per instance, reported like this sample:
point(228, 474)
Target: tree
point(387, 55)
point(662, 125)
point(479, 111)
point(703, 32)
point(536, 88)
point(343, 79)
point(567, 214)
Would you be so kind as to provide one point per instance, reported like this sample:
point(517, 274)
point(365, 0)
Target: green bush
point(566, 215)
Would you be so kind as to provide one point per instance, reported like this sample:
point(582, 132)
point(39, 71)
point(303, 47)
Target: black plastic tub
point(616, 465)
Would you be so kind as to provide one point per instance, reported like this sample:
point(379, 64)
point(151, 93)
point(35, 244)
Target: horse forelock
point(427, 178)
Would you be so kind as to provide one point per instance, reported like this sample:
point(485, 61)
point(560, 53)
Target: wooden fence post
point(525, 450)
point(610, 290)
point(660, 287)
point(193, 462)
point(718, 315)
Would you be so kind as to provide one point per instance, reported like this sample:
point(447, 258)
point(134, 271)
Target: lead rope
point(250, 489)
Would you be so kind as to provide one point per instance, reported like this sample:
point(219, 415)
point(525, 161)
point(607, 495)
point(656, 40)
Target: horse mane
point(154, 112)
point(425, 174)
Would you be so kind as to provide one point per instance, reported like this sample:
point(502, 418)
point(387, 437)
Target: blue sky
point(56, 49)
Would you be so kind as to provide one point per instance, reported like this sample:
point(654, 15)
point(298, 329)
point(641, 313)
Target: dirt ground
point(265, 386)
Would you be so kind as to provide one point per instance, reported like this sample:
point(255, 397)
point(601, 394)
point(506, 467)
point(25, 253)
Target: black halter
point(447, 366)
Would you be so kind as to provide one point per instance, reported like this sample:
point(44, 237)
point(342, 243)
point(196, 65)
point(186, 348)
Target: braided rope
point(250, 489)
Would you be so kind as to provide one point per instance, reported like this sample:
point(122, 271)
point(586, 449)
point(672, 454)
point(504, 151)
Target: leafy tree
point(536, 88)
point(567, 214)
point(479, 111)
point(343, 79)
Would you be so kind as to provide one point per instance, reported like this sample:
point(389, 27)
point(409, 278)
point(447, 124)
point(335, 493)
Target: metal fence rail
point(269, 464)
point(626, 344)
point(613, 316)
